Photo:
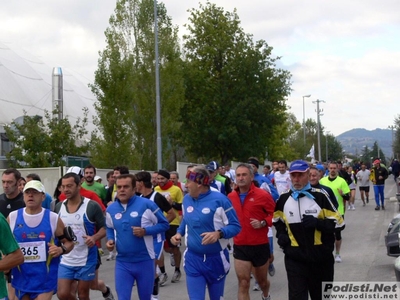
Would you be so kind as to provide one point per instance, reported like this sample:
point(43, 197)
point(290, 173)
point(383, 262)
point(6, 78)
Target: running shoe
point(163, 279)
point(271, 270)
point(109, 295)
point(338, 259)
point(256, 287)
point(176, 277)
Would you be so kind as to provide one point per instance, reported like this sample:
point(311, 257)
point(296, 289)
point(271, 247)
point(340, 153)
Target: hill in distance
point(354, 140)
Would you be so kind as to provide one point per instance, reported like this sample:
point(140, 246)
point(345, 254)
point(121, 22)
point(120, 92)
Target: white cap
point(97, 177)
point(76, 170)
point(36, 185)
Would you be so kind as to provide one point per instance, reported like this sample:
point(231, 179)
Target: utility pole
point(319, 127)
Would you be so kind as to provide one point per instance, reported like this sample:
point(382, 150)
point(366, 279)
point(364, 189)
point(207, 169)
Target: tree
point(396, 139)
point(38, 144)
point(376, 152)
point(125, 88)
point(335, 149)
point(234, 93)
point(285, 140)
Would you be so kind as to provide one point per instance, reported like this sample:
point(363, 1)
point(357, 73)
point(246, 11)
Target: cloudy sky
point(346, 53)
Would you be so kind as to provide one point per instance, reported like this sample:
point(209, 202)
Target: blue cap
point(320, 167)
point(298, 166)
point(212, 166)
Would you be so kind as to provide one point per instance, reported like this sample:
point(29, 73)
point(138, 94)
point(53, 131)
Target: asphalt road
point(363, 254)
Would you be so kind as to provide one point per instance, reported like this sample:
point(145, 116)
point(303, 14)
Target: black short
point(364, 188)
point(98, 260)
point(169, 234)
point(338, 232)
point(257, 254)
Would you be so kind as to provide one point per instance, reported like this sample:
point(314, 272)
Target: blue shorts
point(84, 273)
point(213, 267)
point(19, 294)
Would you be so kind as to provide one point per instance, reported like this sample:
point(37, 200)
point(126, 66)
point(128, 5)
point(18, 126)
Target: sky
point(346, 53)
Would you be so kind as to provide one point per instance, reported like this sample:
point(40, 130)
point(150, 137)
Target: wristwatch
point(263, 223)
point(221, 234)
point(64, 249)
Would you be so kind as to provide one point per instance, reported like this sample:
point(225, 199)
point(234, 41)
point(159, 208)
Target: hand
point(283, 240)
point(309, 221)
point(176, 239)
point(110, 245)
point(54, 250)
point(209, 237)
point(89, 240)
point(138, 231)
point(255, 223)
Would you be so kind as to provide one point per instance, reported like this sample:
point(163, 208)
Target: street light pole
point(158, 102)
point(319, 127)
point(304, 120)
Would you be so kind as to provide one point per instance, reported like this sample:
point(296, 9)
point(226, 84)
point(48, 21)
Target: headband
point(255, 162)
point(198, 178)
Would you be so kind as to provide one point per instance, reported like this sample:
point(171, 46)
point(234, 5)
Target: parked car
point(392, 237)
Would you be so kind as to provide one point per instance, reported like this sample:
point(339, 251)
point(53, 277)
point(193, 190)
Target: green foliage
point(396, 138)
point(234, 95)
point(125, 88)
point(335, 149)
point(38, 144)
point(376, 152)
point(368, 155)
point(285, 141)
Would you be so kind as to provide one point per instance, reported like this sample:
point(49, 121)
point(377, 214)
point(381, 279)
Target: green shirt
point(335, 185)
point(7, 245)
point(98, 188)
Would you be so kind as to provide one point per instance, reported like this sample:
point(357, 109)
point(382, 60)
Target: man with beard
point(174, 196)
point(91, 184)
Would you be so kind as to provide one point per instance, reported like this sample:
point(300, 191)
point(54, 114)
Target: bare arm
point(11, 260)
point(171, 215)
point(55, 250)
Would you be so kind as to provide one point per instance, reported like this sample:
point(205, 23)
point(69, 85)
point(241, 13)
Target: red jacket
point(259, 205)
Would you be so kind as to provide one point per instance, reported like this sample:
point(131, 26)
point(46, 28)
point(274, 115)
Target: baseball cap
point(298, 166)
point(320, 167)
point(97, 177)
point(377, 161)
point(36, 185)
point(212, 166)
point(76, 170)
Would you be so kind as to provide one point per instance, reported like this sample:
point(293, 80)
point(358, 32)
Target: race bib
point(34, 251)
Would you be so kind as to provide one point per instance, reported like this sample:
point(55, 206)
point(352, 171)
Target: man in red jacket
point(254, 208)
